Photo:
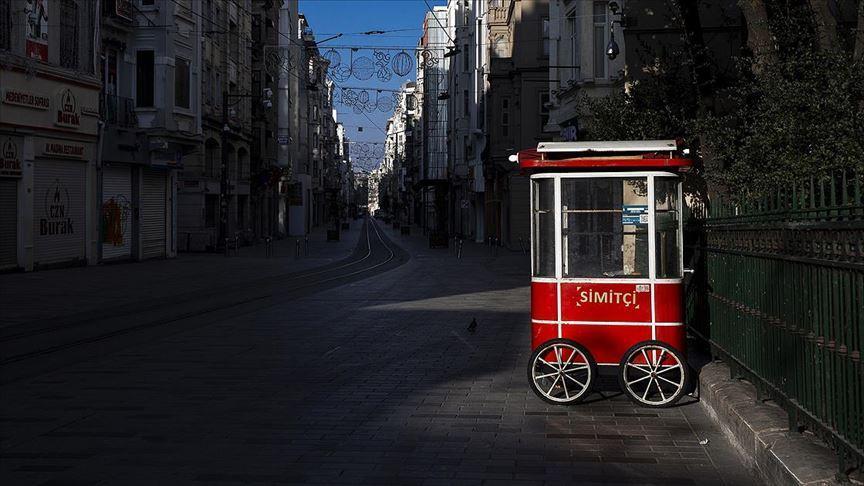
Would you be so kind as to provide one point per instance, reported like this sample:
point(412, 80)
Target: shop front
point(60, 171)
point(48, 135)
point(10, 177)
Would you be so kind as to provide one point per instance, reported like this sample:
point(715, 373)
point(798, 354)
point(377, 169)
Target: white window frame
point(652, 270)
point(603, 42)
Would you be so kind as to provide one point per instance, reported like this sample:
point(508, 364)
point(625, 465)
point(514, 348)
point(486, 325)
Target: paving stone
point(372, 382)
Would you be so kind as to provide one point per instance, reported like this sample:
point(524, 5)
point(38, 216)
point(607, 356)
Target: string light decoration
point(381, 64)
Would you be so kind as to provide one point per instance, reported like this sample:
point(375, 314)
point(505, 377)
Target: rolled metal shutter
point(116, 212)
point(153, 210)
point(8, 223)
point(58, 211)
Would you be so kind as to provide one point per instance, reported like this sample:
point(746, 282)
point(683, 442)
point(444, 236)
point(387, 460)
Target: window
point(600, 28)
point(69, 46)
point(573, 31)
point(208, 85)
point(604, 227)
point(144, 79)
point(545, 42)
point(544, 109)
point(210, 159)
point(181, 83)
point(256, 29)
point(233, 41)
point(667, 227)
point(5, 24)
point(211, 210)
point(505, 117)
point(466, 58)
point(543, 227)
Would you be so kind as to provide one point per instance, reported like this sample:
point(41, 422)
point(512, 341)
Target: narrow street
point(359, 371)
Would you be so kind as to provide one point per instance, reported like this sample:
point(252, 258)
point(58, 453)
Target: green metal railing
point(778, 292)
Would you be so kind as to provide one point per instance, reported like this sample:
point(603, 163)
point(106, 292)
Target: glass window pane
point(667, 223)
point(543, 239)
point(604, 227)
point(599, 51)
point(600, 12)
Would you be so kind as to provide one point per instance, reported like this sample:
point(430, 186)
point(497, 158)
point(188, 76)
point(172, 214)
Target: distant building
point(517, 101)
point(579, 33)
point(432, 88)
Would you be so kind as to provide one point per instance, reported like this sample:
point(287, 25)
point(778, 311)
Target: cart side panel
point(542, 332)
point(668, 302)
point(607, 343)
point(675, 336)
point(606, 302)
point(544, 301)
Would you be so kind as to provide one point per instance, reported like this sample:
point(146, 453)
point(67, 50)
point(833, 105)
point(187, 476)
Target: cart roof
point(625, 154)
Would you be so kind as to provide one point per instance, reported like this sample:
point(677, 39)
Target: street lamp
point(612, 49)
point(224, 187)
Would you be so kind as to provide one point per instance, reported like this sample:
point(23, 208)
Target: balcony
point(118, 111)
point(499, 15)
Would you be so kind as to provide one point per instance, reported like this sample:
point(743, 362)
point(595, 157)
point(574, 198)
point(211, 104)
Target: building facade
point(517, 110)
point(466, 128)
point(579, 32)
point(433, 65)
point(49, 134)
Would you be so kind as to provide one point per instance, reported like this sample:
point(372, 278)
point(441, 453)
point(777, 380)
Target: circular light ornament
point(402, 63)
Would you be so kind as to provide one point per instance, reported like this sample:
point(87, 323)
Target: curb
point(760, 432)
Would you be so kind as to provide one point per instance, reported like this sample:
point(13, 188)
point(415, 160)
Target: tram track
point(18, 348)
point(126, 309)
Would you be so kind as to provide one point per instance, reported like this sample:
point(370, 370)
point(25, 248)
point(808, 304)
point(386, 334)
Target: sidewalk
point(59, 294)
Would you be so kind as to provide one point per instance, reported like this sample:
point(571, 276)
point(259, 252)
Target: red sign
point(10, 161)
point(123, 9)
point(606, 302)
point(36, 13)
point(62, 149)
point(67, 110)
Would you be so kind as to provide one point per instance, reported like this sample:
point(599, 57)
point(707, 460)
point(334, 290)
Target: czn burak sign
point(57, 218)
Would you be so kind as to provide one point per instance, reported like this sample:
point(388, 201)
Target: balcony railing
point(118, 111)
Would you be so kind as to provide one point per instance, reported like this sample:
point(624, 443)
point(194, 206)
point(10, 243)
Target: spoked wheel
point(561, 371)
point(653, 374)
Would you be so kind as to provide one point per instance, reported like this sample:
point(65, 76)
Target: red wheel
point(561, 371)
point(653, 374)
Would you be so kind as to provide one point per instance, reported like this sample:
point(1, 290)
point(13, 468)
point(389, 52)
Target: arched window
point(211, 158)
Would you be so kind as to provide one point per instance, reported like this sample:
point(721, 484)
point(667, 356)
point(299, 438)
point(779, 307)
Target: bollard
point(305, 246)
point(297, 249)
point(268, 246)
point(227, 248)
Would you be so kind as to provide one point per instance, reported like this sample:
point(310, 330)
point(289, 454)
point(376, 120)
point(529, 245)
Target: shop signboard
point(10, 158)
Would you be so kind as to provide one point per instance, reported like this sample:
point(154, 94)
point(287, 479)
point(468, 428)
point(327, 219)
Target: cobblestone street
point(374, 380)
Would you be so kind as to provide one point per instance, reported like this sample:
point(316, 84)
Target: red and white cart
point(607, 265)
